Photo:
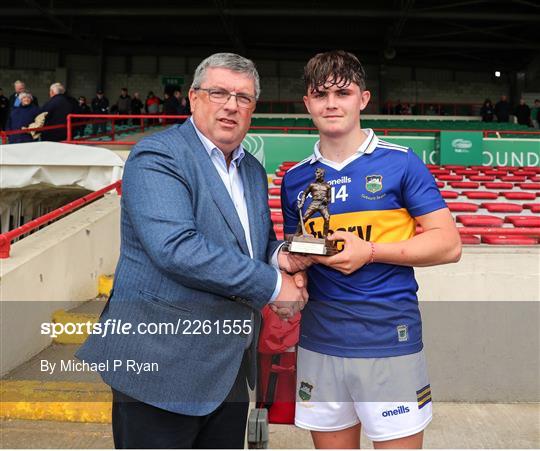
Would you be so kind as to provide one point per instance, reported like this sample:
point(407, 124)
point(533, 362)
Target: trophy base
point(306, 244)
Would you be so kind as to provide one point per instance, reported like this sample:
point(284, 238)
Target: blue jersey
point(376, 194)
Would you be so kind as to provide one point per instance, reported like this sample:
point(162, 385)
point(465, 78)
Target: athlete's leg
point(308, 214)
point(346, 439)
point(414, 441)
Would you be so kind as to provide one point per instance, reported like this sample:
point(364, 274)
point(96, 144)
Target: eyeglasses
point(222, 96)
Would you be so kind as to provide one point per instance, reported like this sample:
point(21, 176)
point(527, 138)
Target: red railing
point(440, 109)
point(8, 237)
point(4, 134)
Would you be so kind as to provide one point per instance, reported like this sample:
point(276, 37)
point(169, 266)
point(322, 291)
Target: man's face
point(503, 98)
point(19, 87)
point(336, 111)
point(225, 124)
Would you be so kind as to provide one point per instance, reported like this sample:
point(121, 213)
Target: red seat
point(450, 178)
point(534, 169)
point(479, 168)
point(505, 168)
point(274, 203)
point(432, 166)
point(498, 185)
point(466, 185)
point(480, 194)
point(462, 206)
point(453, 167)
point(482, 178)
point(277, 181)
point(516, 195)
point(288, 164)
point(449, 194)
point(514, 178)
point(466, 172)
point(502, 207)
point(280, 173)
point(509, 240)
point(534, 186)
point(480, 220)
point(535, 208)
point(274, 191)
point(440, 171)
point(495, 172)
point(536, 178)
point(276, 217)
point(523, 221)
point(278, 228)
point(470, 239)
point(440, 184)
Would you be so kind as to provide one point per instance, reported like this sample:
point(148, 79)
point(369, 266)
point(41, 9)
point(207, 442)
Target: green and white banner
point(272, 149)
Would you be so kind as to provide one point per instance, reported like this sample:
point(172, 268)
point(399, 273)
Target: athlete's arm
point(438, 244)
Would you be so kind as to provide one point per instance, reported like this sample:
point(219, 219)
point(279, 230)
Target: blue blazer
point(183, 259)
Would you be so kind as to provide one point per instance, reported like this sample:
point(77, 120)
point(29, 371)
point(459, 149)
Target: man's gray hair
point(230, 61)
point(19, 82)
point(57, 88)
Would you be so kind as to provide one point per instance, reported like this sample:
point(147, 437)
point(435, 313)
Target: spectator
point(406, 110)
point(123, 105)
point(152, 106)
point(487, 112)
point(183, 103)
point(4, 110)
point(136, 104)
point(58, 107)
point(503, 109)
point(22, 116)
point(82, 108)
point(523, 113)
point(535, 114)
point(100, 105)
point(14, 100)
point(398, 108)
point(431, 111)
point(171, 107)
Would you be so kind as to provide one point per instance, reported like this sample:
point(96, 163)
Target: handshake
point(293, 295)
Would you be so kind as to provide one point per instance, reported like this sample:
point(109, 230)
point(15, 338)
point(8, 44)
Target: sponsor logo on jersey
point(305, 391)
point(399, 411)
point(424, 396)
point(374, 183)
point(402, 333)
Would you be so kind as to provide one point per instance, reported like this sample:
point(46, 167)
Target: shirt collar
point(367, 147)
point(237, 155)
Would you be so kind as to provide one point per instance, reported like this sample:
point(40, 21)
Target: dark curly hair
point(335, 68)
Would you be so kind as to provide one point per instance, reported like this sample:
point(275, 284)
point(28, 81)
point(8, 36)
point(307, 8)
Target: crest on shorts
point(305, 391)
point(374, 183)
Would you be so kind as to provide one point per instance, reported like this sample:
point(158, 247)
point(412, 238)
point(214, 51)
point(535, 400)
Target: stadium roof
point(473, 34)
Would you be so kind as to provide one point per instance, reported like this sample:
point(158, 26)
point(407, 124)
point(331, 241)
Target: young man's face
point(336, 111)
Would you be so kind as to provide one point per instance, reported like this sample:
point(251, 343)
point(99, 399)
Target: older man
point(196, 242)
point(14, 99)
point(58, 107)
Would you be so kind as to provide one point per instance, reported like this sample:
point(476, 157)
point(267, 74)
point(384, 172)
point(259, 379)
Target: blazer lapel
point(218, 191)
point(249, 183)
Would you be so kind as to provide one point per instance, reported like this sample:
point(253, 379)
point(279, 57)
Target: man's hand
point(292, 263)
point(292, 297)
point(355, 254)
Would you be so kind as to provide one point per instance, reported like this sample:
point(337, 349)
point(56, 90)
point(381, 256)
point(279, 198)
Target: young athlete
point(360, 360)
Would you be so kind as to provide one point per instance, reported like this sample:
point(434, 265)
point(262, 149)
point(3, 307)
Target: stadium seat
point(277, 181)
point(480, 220)
point(530, 186)
point(495, 172)
point(515, 195)
point(480, 194)
point(289, 164)
point(454, 167)
point(466, 172)
point(498, 185)
point(535, 208)
point(438, 172)
point(274, 191)
point(482, 178)
point(462, 206)
point(514, 178)
point(466, 185)
point(276, 217)
point(449, 194)
point(280, 173)
point(450, 178)
point(440, 184)
point(509, 240)
point(274, 203)
point(278, 228)
point(469, 239)
point(536, 178)
point(523, 221)
point(502, 207)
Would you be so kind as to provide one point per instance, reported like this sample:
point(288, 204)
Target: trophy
point(302, 242)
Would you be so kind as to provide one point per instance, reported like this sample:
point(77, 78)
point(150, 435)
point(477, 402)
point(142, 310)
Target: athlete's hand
point(293, 295)
point(355, 254)
point(292, 263)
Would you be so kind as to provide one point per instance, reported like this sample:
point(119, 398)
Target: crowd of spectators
point(22, 109)
point(503, 109)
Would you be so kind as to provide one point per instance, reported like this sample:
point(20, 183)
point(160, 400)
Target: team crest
point(374, 183)
point(305, 391)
